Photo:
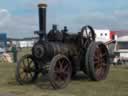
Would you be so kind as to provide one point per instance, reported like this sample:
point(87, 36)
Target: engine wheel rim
point(100, 63)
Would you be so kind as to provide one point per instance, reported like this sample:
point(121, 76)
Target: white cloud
point(4, 16)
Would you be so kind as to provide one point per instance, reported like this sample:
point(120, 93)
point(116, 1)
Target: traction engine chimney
point(42, 20)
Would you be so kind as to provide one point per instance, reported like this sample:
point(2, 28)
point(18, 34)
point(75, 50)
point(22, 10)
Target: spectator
point(14, 53)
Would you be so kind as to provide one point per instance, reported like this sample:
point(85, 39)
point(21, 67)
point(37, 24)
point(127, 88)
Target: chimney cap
point(42, 5)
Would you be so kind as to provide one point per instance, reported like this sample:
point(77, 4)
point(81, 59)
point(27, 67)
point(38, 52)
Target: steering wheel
point(87, 34)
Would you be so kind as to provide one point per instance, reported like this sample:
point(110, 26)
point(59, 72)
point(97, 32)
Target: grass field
point(115, 85)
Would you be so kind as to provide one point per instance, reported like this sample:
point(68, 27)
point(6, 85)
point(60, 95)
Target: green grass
point(115, 85)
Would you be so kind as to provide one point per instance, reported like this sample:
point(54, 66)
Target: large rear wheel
point(97, 61)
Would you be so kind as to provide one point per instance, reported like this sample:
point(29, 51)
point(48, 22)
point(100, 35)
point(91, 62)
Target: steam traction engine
point(62, 54)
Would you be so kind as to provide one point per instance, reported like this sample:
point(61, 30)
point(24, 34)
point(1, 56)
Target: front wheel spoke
point(28, 61)
point(31, 64)
point(24, 64)
point(62, 76)
point(27, 76)
point(58, 77)
point(21, 70)
point(65, 67)
point(60, 65)
point(22, 74)
point(62, 62)
point(67, 73)
point(24, 78)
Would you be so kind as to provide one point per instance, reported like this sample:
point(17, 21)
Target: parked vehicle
point(121, 50)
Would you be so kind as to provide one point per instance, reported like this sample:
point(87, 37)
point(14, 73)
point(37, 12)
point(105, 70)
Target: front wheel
point(60, 72)
point(26, 70)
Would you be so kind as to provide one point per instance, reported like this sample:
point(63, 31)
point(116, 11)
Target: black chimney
point(42, 20)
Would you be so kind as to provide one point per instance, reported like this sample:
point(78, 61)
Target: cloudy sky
point(19, 18)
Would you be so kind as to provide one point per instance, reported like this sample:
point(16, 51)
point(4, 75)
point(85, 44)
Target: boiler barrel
point(49, 50)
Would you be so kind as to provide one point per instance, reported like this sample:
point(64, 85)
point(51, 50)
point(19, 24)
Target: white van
point(121, 50)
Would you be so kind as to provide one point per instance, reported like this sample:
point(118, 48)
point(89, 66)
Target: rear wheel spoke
point(103, 55)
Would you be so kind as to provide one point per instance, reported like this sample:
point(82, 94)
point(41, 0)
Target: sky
point(19, 18)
